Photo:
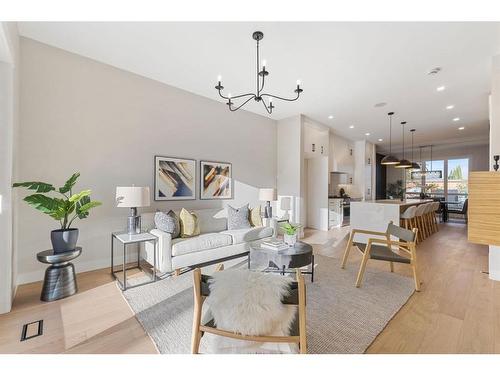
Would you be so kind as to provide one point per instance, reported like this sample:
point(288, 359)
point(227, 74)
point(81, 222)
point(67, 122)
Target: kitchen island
point(376, 214)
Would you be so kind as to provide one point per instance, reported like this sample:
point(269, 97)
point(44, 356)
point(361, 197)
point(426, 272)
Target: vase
point(64, 239)
point(290, 239)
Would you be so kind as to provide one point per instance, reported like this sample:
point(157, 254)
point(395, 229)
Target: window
point(434, 184)
point(458, 174)
point(450, 182)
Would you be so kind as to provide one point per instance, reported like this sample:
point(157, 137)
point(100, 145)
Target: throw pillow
point(190, 226)
point(168, 222)
point(237, 218)
point(255, 216)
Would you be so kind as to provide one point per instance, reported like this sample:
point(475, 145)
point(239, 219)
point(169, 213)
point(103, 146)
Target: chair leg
point(392, 266)
point(347, 250)
point(415, 276)
point(362, 268)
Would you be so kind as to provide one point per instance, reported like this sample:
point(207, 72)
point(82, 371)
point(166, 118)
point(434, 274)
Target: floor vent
point(32, 329)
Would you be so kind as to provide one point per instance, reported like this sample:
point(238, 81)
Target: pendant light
point(403, 163)
point(390, 159)
point(414, 165)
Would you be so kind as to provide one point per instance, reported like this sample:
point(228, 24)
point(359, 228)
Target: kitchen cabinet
point(335, 212)
point(316, 140)
point(341, 156)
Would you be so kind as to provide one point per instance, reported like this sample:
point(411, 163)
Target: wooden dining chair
point(383, 249)
point(296, 297)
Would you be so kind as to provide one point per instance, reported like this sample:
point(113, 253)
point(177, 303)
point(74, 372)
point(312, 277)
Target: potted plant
point(64, 208)
point(290, 236)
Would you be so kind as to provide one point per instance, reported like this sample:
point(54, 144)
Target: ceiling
point(345, 68)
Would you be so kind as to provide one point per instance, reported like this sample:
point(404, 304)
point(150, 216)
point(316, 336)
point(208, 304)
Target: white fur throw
point(249, 303)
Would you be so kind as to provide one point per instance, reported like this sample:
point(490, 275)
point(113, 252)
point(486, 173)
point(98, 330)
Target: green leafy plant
point(65, 208)
point(290, 229)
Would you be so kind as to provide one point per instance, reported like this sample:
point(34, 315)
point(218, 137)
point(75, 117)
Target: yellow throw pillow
point(190, 225)
point(255, 218)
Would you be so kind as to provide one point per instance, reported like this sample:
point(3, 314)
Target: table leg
point(283, 271)
point(112, 255)
point(312, 269)
point(248, 261)
point(155, 243)
point(124, 267)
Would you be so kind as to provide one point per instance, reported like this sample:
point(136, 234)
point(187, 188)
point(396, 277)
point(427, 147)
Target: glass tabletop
point(126, 238)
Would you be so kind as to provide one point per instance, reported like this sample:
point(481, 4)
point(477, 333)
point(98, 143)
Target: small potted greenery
point(290, 236)
point(65, 209)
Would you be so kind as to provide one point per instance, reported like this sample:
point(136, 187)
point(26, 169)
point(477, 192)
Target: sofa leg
point(177, 272)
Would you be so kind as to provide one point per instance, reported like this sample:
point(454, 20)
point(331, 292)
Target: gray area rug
point(340, 317)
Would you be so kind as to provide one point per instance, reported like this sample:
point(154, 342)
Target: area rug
point(340, 317)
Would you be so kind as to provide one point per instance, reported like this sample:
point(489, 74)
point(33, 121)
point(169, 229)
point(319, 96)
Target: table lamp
point(133, 197)
point(285, 205)
point(267, 195)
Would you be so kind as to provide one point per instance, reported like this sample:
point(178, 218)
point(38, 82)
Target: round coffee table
point(283, 261)
point(60, 280)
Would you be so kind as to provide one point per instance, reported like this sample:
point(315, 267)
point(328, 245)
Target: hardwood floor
point(457, 311)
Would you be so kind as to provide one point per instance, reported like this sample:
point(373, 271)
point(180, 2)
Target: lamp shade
point(285, 203)
point(403, 163)
point(132, 196)
point(267, 194)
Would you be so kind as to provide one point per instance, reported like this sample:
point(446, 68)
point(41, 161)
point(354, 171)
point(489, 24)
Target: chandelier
point(258, 96)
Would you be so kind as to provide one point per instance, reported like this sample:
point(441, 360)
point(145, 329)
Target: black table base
point(59, 282)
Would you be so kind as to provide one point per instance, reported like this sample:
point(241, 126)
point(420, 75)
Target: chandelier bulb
point(298, 82)
point(264, 62)
point(219, 78)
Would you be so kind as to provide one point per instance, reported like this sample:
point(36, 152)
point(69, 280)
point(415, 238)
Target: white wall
point(9, 91)
point(494, 255)
point(108, 124)
point(289, 162)
point(317, 192)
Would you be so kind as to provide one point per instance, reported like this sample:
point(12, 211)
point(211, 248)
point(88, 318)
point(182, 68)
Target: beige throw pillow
point(190, 225)
point(255, 217)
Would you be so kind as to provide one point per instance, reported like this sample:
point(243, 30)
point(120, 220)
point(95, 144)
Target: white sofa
point(214, 242)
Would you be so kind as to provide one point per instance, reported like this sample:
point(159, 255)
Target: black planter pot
point(64, 239)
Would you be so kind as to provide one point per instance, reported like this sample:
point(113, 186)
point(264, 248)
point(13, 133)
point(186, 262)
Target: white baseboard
point(494, 275)
point(30, 277)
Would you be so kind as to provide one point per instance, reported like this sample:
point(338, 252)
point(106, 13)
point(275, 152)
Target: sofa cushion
point(190, 226)
point(249, 234)
point(237, 218)
point(168, 222)
point(207, 241)
point(255, 217)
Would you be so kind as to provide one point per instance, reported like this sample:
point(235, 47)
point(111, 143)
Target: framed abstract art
point(216, 180)
point(175, 178)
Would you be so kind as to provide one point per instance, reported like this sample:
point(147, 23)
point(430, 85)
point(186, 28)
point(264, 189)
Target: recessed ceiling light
point(351, 127)
point(381, 104)
point(330, 117)
point(380, 139)
point(456, 119)
point(440, 88)
point(461, 128)
point(451, 106)
point(367, 134)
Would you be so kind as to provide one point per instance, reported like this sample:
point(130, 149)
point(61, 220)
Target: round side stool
point(60, 280)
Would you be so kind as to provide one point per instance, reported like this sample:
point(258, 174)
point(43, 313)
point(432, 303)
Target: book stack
point(274, 245)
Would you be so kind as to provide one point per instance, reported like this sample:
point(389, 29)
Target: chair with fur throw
point(249, 310)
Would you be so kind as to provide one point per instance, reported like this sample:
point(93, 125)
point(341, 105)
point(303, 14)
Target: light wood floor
point(457, 311)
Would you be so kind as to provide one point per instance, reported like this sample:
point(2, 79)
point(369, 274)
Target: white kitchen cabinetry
point(316, 140)
point(335, 213)
point(341, 155)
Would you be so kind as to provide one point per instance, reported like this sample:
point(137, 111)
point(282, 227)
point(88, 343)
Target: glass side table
point(128, 239)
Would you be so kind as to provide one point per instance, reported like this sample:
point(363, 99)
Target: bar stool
point(435, 212)
point(408, 218)
point(428, 218)
point(419, 220)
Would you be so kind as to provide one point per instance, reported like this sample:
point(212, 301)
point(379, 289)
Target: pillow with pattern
point(237, 218)
point(168, 222)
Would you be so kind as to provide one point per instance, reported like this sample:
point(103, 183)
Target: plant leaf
point(44, 204)
point(84, 206)
point(68, 185)
point(76, 197)
point(40, 187)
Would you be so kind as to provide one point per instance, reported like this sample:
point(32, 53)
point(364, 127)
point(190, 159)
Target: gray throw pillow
point(237, 218)
point(168, 222)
